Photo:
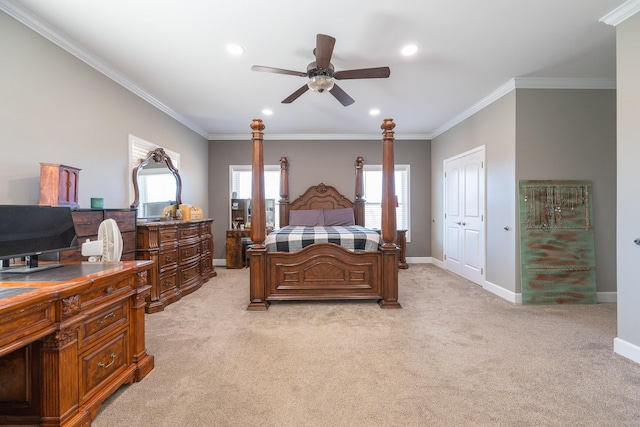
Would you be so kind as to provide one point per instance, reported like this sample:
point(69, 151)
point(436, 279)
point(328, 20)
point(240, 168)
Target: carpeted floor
point(455, 355)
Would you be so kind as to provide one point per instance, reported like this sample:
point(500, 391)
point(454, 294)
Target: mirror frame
point(158, 155)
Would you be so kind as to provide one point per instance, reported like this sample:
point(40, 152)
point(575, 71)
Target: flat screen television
point(27, 231)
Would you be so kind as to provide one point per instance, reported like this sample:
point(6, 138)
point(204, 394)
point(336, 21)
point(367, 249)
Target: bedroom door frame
point(465, 213)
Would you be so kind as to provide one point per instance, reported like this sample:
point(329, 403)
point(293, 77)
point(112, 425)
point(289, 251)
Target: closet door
point(464, 196)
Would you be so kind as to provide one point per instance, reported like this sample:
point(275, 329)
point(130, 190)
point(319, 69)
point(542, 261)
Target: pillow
point(339, 217)
point(306, 217)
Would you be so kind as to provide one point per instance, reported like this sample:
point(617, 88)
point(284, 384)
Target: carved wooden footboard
point(323, 271)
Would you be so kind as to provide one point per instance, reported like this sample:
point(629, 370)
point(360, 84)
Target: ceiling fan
point(321, 73)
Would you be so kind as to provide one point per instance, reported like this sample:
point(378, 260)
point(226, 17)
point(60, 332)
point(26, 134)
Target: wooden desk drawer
point(126, 219)
point(98, 365)
point(103, 321)
point(21, 323)
point(102, 291)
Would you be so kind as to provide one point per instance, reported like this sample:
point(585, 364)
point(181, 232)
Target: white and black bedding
point(293, 238)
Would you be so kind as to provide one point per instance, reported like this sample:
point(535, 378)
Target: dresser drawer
point(206, 246)
point(86, 222)
point(167, 281)
point(126, 219)
point(188, 253)
point(99, 364)
point(168, 235)
point(189, 274)
point(186, 232)
point(128, 242)
point(103, 321)
point(205, 228)
point(168, 258)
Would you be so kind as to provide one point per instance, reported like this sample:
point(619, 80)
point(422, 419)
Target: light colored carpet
point(455, 355)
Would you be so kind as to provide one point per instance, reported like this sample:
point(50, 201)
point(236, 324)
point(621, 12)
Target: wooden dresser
point(87, 222)
point(183, 251)
point(70, 337)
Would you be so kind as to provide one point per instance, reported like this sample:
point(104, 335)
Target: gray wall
point(493, 127)
point(571, 134)
point(330, 162)
point(536, 134)
point(628, 103)
point(56, 109)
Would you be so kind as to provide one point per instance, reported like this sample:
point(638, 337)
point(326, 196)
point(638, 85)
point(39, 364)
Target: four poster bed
point(354, 263)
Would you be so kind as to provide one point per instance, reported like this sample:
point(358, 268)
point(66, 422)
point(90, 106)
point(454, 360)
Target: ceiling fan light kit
point(320, 83)
point(322, 75)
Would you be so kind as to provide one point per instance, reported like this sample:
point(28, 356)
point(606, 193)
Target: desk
point(69, 338)
point(235, 251)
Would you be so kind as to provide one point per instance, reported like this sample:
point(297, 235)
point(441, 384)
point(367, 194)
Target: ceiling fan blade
point(324, 50)
point(295, 95)
point(277, 71)
point(341, 95)
point(364, 73)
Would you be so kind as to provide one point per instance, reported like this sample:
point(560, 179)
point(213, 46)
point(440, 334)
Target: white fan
point(108, 247)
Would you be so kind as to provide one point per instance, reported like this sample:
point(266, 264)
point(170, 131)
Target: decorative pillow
point(306, 217)
point(339, 217)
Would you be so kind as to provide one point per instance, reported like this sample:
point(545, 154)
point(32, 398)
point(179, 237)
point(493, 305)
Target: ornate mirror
point(156, 184)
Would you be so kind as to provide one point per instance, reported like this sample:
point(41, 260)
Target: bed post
point(359, 202)
point(388, 248)
point(257, 252)
point(284, 192)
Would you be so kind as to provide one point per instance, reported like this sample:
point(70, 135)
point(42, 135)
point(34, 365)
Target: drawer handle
point(167, 283)
point(168, 258)
point(108, 316)
point(113, 360)
point(84, 223)
point(109, 290)
point(185, 276)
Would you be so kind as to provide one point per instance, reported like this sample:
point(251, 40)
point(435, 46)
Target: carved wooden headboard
point(321, 197)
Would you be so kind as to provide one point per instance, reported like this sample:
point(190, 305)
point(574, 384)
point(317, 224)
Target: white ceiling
point(173, 53)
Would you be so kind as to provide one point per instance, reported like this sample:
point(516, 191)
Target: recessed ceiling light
point(409, 50)
point(374, 112)
point(267, 112)
point(235, 49)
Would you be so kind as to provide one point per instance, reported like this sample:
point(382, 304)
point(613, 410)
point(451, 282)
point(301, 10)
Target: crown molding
point(25, 17)
point(527, 83)
point(621, 13)
point(317, 137)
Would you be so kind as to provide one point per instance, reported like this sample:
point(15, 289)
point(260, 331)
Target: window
point(240, 183)
point(373, 197)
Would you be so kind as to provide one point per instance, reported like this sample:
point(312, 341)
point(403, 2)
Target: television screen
point(28, 230)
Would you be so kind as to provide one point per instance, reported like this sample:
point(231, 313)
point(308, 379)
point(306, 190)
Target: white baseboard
point(220, 262)
point(626, 349)
point(502, 292)
point(419, 260)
